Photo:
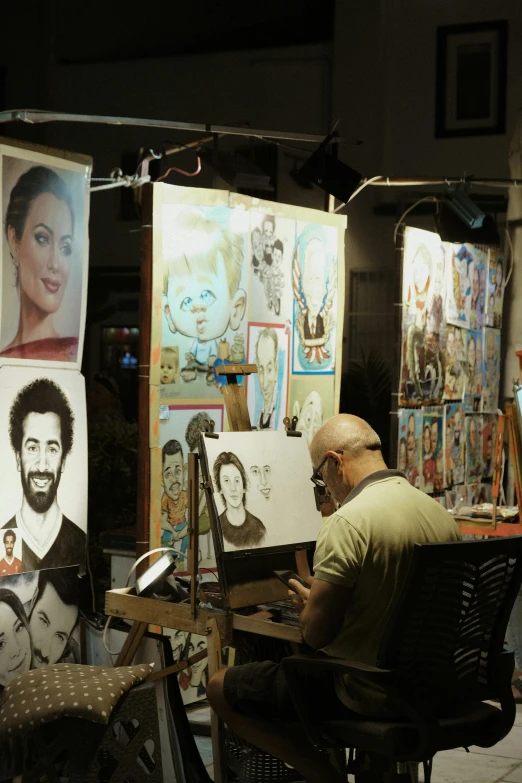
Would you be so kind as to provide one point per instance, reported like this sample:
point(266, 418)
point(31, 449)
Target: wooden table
point(218, 626)
point(484, 527)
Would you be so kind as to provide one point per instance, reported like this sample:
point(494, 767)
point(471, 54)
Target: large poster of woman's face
point(262, 493)
point(43, 469)
point(44, 262)
point(38, 621)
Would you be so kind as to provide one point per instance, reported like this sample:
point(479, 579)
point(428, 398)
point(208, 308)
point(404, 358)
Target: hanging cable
point(407, 211)
point(511, 256)
point(358, 190)
point(182, 171)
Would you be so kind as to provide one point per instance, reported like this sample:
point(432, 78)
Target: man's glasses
point(316, 477)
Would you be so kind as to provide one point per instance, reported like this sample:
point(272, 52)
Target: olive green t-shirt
point(366, 546)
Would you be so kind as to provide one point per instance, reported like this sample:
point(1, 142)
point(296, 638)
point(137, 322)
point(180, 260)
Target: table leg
point(132, 642)
point(216, 725)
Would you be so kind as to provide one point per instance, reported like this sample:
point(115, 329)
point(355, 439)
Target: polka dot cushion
point(65, 689)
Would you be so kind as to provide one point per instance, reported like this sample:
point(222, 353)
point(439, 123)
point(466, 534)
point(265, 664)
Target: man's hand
point(298, 594)
point(322, 610)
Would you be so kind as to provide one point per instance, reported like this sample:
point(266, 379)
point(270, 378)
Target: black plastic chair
point(441, 657)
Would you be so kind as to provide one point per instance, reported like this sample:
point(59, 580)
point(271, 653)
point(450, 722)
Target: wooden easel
point(217, 626)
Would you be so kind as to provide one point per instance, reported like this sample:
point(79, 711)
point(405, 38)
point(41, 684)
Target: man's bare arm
point(322, 609)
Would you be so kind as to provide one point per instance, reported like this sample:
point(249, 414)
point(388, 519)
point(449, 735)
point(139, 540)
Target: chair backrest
point(446, 635)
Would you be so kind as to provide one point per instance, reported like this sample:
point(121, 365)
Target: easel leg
point(216, 725)
point(132, 642)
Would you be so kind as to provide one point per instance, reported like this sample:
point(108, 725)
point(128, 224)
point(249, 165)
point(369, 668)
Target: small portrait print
point(478, 273)
point(315, 298)
point(239, 527)
point(272, 242)
point(38, 621)
point(169, 367)
point(44, 260)
point(10, 564)
point(267, 390)
point(203, 298)
point(45, 480)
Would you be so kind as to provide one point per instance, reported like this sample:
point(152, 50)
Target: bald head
point(361, 453)
point(347, 433)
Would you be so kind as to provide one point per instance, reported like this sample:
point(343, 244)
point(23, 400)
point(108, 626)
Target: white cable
point(511, 257)
point(132, 569)
point(407, 211)
point(357, 191)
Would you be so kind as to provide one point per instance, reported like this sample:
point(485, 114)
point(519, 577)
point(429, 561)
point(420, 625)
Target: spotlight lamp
point(330, 174)
point(466, 209)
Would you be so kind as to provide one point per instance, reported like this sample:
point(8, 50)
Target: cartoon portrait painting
point(454, 443)
point(267, 390)
point(489, 434)
point(422, 360)
point(473, 371)
point(314, 280)
point(432, 479)
point(272, 242)
point(410, 445)
point(473, 449)
point(454, 377)
point(204, 291)
point(179, 436)
point(460, 264)
point(44, 265)
point(311, 402)
point(496, 284)
point(491, 385)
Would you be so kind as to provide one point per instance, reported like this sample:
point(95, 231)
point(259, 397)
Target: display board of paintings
point(44, 261)
point(452, 297)
point(236, 280)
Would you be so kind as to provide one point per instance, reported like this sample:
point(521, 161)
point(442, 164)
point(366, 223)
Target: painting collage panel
point(236, 281)
point(44, 265)
point(452, 296)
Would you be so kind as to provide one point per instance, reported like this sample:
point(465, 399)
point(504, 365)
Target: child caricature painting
point(314, 277)
point(202, 295)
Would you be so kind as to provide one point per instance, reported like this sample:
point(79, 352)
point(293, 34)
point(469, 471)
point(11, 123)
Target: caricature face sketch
point(201, 293)
point(310, 417)
point(261, 476)
point(314, 278)
point(267, 367)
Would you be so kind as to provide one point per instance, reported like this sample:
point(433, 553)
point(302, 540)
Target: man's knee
point(215, 692)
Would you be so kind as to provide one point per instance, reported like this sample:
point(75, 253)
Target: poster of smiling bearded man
point(43, 476)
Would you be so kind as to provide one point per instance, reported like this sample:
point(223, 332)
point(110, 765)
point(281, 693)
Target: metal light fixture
point(326, 171)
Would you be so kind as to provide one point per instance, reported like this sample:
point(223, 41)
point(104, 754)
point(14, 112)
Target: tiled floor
point(500, 764)
point(503, 762)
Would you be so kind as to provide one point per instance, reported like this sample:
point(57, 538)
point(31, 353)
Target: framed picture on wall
point(471, 79)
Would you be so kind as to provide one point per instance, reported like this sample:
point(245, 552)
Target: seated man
point(362, 556)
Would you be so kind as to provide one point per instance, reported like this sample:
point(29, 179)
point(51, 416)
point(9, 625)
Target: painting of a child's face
point(200, 305)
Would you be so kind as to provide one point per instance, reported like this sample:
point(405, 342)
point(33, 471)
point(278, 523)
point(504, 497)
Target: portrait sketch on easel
point(258, 502)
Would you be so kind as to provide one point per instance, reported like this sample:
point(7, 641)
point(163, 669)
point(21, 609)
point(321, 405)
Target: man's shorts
point(259, 690)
